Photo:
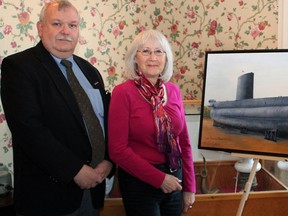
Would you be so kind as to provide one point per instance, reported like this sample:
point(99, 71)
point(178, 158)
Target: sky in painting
point(223, 69)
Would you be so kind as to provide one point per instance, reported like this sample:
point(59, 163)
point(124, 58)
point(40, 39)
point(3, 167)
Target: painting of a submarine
point(245, 124)
point(268, 116)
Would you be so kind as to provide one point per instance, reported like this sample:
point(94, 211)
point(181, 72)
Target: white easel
point(252, 175)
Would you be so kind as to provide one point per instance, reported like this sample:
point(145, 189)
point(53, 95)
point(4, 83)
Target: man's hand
point(86, 178)
point(102, 170)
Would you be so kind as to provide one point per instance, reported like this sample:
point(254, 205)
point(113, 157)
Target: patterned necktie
point(92, 123)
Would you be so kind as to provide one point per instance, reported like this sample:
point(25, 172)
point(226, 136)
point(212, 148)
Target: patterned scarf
point(165, 137)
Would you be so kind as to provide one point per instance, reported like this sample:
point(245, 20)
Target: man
point(51, 146)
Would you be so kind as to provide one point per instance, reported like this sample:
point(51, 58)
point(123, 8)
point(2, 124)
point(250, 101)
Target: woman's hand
point(170, 184)
point(188, 200)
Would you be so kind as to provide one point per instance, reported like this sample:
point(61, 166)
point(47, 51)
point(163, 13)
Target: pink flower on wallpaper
point(32, 38)
point(7, 29)
point(237, 36)
point(152, 1)
point(121, 25)
point(136, 22)
point(255, 32)
point(93, 60)
point(93, 12)
point(241, 3)
point(133, 7)
point(1, 2)
point(229, 16)
point(111, 71)
point(174, 28)
point(10, 143)
point(195, 52)
point(103, 47)
point(191, 13)
point(177, 76)
point(116, 31)
point(13, 44)
point(82, 40)
point(218, 43)
point(183, 70)
point(189, 96)
point(195, 45)
point(213, 27)
point(160, 18)
point(24, 18)
point(168, 7)
point(155, 23)
point(30, 9)
point(2, 117)
point(141, 28)
point(185, 31)
point(261, 26)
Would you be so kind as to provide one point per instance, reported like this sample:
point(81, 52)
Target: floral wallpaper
point(107, 28)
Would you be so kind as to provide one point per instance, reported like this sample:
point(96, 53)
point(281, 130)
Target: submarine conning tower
point(245, 86)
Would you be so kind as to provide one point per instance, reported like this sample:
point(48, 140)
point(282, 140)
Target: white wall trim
point(282, 24)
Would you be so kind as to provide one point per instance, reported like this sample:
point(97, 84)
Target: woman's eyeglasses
point(148, 52)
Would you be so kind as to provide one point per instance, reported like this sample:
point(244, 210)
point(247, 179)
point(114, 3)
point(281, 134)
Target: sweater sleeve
point(119, 147)
point(189, 181)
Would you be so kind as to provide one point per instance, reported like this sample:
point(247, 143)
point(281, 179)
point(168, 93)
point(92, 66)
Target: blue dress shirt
point(93, 94)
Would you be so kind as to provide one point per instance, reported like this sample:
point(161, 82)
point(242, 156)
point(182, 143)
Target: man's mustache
point(64, 37)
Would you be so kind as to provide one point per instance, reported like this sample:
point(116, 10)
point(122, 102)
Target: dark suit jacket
point(50, 143)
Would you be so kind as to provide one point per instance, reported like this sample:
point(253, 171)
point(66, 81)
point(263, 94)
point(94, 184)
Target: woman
point(148, 136)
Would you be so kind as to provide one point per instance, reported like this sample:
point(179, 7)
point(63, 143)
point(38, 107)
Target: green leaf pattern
point(108, 27)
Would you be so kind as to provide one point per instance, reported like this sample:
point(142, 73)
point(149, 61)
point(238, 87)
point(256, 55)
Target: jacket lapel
point(95, 80)
point(59, 80)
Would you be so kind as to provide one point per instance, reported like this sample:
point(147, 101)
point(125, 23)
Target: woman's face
point(151, 59)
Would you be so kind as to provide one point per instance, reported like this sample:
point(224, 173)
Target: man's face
point(59, 32)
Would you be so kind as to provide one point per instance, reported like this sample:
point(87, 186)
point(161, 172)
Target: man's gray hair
point(61, 5)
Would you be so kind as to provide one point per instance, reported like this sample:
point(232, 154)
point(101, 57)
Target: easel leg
point(247, 187)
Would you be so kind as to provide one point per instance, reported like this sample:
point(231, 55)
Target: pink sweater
point(132, 134)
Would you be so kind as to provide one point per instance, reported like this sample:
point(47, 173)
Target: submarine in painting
point(267, 116)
